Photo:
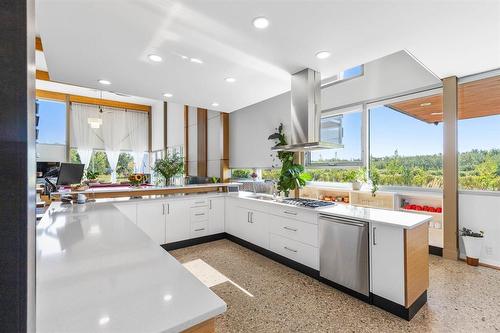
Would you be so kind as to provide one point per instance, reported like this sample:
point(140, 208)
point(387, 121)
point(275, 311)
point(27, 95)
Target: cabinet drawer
point(296, 230)
point(198, 214)
point(298, 214)
point(199, 203)
point(297, 251)
point(199, 229)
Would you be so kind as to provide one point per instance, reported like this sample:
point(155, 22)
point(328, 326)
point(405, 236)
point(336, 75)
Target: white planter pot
point(356, 186)
point(473, 246)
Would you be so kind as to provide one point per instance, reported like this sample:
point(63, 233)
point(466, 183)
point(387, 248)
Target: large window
point(51, 128)
point(406, 144)
point(479, 135)
point(343, 127)
point(100, 165)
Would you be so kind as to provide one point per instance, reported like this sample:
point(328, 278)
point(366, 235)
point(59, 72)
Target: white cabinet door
point(387, 264)
point(151, 219)
point(177, 220)
point(216, 208)
point(257, 230)
point(238, 220)
point(128, 209)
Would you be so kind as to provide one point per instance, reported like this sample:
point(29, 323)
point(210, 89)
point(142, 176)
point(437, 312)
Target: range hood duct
point(306, 114)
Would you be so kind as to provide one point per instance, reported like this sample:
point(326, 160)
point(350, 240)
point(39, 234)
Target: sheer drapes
point(114, 133)
point(137, 126)
point(83, 137)
point(120, 130)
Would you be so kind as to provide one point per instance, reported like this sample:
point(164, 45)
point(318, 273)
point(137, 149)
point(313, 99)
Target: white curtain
point(137, 127)
point(114, 133)
point(83, 138)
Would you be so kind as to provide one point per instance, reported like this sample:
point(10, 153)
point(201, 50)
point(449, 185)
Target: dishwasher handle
point(341, 220)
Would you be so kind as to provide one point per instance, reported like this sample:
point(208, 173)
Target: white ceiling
point(86, 40)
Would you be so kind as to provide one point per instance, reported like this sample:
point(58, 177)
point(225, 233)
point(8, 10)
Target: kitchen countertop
point(126, 188)
point(391, 217)
point(97, 271)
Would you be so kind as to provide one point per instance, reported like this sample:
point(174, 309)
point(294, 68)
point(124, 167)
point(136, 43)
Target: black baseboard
point(398, 309)
point(193, 241)
point(346, 290)
point(383, 303)
point(276, 257)
point(437, 251)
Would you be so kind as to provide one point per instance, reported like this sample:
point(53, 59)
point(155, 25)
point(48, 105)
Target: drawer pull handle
point(201, 229)
point(290, 213)
point(374, 239)
point(290, 228)
point(199, 214)
point(289, 249)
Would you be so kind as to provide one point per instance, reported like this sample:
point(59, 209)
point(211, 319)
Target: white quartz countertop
point(396, 218)
point(98, 272)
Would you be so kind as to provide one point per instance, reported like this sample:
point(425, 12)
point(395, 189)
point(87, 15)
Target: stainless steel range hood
point(306, 114)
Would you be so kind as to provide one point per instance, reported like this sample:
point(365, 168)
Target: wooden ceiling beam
point(52, 95)
point(42, 75)
point(38, 44)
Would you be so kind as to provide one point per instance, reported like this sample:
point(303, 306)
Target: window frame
point(363, 132)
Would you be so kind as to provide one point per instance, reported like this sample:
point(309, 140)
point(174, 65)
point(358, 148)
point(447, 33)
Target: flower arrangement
point(169, 166)
point(136, 179)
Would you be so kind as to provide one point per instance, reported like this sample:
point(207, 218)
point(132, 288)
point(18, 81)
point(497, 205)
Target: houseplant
point(292, 175)
point(169, 166)
point(473, 243)
point(136, 179)
point(91, 176)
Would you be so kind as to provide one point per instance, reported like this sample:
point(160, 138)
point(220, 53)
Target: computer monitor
point(70, 173)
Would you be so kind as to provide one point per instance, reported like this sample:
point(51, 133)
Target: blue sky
point(52, 124)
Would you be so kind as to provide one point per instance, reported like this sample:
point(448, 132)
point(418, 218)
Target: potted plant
point(91, 176)
point(357, 178)
point(169, 166)
point(292, 175)
point(473, 243)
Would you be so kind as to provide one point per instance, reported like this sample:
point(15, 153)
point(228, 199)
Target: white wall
point(157, 126)
point(392, 75)
point(481, 211)
point(175, 125)
point(250, 127)
point(50, 153)
point(213, 144)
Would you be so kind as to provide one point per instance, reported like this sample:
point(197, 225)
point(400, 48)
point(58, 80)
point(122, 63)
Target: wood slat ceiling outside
point(475, 99)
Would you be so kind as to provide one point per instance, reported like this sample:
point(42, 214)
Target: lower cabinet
point(303, 253)
point(399, 262)
point(151, 219)
point(177, 220)
point(129, 209)
point(216, 216)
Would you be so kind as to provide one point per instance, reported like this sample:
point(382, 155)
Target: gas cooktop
point(310, 203)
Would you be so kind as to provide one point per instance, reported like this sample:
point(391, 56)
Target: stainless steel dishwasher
point(344, 252)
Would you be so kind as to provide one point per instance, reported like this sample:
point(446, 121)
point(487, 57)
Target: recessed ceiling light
point(322, 54)
point(184, 57)
point(215, 104)
point(436, 113)
point(230, 79)
point(197, 61)
point(103, 320)
point(260, 22)
point(155, 58)
point(426, 104)
point(105, 82)
point(168, 95)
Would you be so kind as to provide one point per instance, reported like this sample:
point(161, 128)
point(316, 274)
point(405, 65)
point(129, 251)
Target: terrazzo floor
point(265, 296)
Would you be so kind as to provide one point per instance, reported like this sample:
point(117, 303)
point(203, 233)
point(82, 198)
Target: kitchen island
point(97, 271)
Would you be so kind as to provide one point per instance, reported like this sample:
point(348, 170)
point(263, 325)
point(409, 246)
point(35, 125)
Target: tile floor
point(265, 296)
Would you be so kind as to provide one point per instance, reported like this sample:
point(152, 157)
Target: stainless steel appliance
point(344, 252)
point(310, 203)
